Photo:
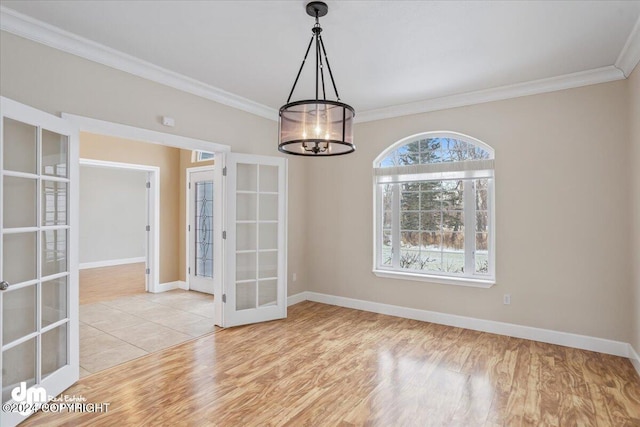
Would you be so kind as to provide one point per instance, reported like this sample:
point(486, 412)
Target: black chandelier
point(316, 127)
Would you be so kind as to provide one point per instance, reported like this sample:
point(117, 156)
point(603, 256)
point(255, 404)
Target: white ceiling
point(382, 53)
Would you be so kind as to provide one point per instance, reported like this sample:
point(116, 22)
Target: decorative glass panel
point(204, 229)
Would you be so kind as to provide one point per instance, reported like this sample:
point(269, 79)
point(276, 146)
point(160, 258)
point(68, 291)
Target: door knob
point(4, 285)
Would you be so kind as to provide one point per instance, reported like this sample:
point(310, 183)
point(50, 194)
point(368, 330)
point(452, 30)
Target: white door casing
point(38, 253)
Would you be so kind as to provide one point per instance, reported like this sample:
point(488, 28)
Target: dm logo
point(29, 396)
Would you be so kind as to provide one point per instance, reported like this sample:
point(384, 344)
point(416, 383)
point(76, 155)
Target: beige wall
point(561, 206)
point(634, 121)
point(101, 147)
point(57, 82)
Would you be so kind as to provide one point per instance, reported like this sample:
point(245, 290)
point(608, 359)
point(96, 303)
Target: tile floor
point(113, 332)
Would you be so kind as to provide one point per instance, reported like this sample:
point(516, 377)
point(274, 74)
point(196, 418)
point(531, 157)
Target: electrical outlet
point(295, 277)
point(506, 299)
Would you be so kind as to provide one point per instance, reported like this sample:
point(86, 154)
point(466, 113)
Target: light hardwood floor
point(329, 366)
point(109, 283)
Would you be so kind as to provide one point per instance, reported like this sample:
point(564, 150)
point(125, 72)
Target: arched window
point(434, 217)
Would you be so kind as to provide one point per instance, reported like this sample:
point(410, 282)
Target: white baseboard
point(583, 342)
point(294, 299)
point(111, 262)
point(635, 358)
point(169, 286)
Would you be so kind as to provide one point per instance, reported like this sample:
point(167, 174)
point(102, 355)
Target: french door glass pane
point(268, 207)
point(267, 292)
point(268, 264)
point(268, 236)
point(18, 313)
point(54, 252)
point(54, 349)
point(246, 266)
point(18, 364)
point(19, 202)
point(268, 178)
point(54, 203)
point(54, 154)
point(19, 263)
point(20, 142)
point(54, 300)
point(246, 206)
point(247, 176)
point(245, 237)
point(245, 295)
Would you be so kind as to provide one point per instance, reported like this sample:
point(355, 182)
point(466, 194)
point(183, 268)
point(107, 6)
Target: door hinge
point(224, 234)
point(189, 270)
point(189, 227)
point(224, 298)
point(224, 171)
point(148, 185)
point(148, 228)
point(147, 271)
point(189, 186)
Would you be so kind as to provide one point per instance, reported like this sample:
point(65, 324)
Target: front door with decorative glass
point(201, 251)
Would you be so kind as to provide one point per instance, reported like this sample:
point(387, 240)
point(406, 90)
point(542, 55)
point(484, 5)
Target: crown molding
point(630, 54)
point(41, 32)
point(567, 81)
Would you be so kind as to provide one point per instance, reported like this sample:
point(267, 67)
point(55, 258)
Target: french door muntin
point(38, 260)
point(255, 285)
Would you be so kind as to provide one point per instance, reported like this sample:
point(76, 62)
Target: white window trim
point(480, 281)
point(431, 278)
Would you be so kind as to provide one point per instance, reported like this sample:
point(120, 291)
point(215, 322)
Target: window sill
point(458, 281)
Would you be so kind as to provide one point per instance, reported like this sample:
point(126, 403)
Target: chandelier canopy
point(316, 127)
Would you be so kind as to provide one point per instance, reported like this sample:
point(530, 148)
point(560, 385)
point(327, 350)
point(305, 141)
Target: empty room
point(308, 213)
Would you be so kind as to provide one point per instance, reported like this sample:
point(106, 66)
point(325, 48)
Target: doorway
point(118, 207)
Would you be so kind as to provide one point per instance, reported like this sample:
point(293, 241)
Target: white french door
point(201, 230)
point(255, 284)
point(38, 255)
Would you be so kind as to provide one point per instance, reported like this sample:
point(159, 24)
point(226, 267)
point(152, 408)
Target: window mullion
point(469, 227)
point(395, 226)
